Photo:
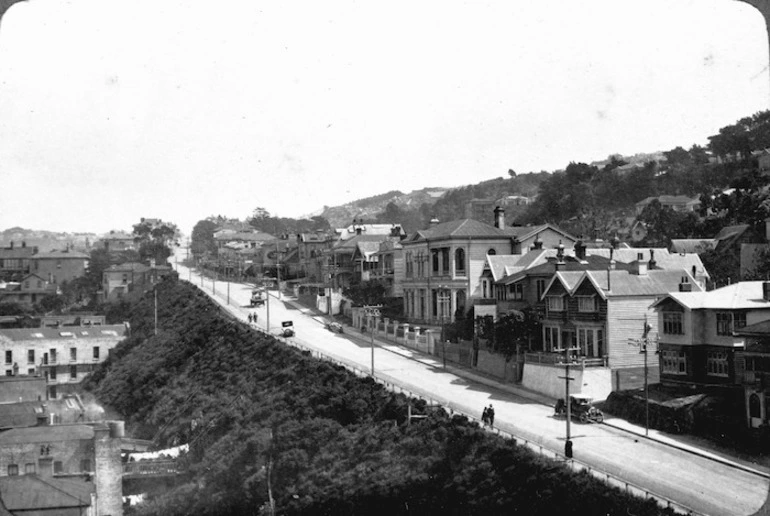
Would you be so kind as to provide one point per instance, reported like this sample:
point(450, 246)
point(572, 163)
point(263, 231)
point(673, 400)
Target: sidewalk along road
point(706, 486)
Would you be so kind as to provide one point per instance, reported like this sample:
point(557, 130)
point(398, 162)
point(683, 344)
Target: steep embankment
point(262, 417)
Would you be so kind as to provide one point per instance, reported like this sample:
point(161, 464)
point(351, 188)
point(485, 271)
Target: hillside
point(260, 415)
point(370, 207)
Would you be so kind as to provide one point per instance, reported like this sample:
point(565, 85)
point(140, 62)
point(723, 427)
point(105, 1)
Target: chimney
point(23, 243)
point(358, 230)
point(639, 267)
point(685, 285)
point(766, 290)
point(560, 252)
point(580, 250)
point(433, 222)
point(11, 244)
point(652, 261)
point(499, 217)
point(537, 244)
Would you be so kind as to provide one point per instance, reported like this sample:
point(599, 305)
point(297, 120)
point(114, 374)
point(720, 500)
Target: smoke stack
point(652, 261)
point(537, 244)
point(499, 217)
point(580, 250)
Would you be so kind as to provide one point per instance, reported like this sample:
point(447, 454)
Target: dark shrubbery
point(259, 415)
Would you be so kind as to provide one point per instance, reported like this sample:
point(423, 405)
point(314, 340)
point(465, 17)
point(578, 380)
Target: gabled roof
point(621, 283)
point(505, 265)
point(370, 229)
point(246, 236)
point(745, 295)
point(669, 199)
point(525, 232)
point(27, 493)
point(367, 249)
point(350, 245)
point(760, 329)
point(26, 413)
point(17, 252)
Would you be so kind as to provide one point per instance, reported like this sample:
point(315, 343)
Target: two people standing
point(488, 416)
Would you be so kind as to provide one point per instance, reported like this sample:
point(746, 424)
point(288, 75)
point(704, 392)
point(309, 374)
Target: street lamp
point(370, 312)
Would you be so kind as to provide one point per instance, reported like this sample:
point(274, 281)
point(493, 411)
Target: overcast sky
point(111, 111)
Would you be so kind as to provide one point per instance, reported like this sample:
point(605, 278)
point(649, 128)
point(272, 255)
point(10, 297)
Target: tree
point(515, 331)
point(202, 241)
point(366, 293)
point(155, 239)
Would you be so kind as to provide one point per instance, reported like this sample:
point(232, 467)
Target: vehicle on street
point(257, 297)
point(335, 327)
point(287, 329)
point(581, 407)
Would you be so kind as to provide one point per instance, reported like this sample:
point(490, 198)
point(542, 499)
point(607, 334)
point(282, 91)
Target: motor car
point(335, 327)
point(581, 408)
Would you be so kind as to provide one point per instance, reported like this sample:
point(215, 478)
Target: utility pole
point(371, 312)
point(643, 345)
point(567, 378)
point(267, 307)
point(278, 268)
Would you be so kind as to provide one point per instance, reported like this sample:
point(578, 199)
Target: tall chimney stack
point(499, 217)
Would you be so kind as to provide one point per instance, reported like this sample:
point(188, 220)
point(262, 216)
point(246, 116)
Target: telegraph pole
point(371, 312)
point(643, 344)
point(567, 378)
point(155, 290)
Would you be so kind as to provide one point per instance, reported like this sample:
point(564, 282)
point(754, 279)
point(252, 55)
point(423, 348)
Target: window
point(516, 291)
point(9, 356)
point(26, 285)
point(52, 372)
point(125, 279)
point(551, 338)
point(96, 352)
point(73, 354)
point(586, 303)
point(492, 252)
point(540, 285)
point(672, 323)
point(445, 260)
point(85, 465)
point(555, 303)
point(434, 257)
point(29, 468)
point(460, 261)
point(58, 466)
point(52, 355)
point(30, 356)
point(73, 372)
point(674, 362)
point(13, 470)
point(716, 363)
point(727, 322)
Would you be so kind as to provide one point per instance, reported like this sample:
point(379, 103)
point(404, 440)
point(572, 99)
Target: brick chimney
point(766, 290)
point(433, 222)
point(685, 285)
point(537, 244)
point(652, 263)
point(499, 217)
point(580, 250)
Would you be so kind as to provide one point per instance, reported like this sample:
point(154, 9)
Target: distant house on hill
point(59, 266)
point(680, 203)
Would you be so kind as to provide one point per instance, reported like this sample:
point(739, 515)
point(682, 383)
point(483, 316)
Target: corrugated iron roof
point(41, 434)
point(744, 295)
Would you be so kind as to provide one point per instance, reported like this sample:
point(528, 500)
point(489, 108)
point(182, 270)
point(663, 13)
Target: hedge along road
point(708, 487)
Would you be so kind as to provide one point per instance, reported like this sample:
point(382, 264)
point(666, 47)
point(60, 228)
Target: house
point(680, 203)
point(26, 414)
point(14, 261)
point(692, 245)
point(59, 266)
point(350, 260)
point(638, 231)
point(390, 267)
point(592, 317)
point(752, 370)
point(64, 356)
point(116, 242)
point(310, 247)
point(67, 469)
point(119, 280)
point(444, 264)
point(251, 239)
point(28, 292)
point(696, 341)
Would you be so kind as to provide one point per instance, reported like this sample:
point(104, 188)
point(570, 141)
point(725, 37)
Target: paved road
point(708, 487)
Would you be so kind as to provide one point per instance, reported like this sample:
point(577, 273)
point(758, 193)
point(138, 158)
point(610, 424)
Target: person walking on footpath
point(255, 317)
point(485, 416)
point(491, 415)
point(249, 317)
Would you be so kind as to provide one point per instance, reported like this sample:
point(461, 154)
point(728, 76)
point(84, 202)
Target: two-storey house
point(27, 292)
point(752, 370)
point(390, 267)
point(697, 340)
point(598, 319)
point(14, 261)
point(59, 266)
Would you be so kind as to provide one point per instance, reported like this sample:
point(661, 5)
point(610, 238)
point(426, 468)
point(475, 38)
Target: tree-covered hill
point(264, 419)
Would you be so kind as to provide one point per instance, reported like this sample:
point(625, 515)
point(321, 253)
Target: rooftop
point(27, 493)
point(745, 295)
point(62, 333)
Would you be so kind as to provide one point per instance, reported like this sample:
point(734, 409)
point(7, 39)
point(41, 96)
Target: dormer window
point(555, 303)
point(586, 303)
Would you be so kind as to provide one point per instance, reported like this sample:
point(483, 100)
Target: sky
point(178, 109)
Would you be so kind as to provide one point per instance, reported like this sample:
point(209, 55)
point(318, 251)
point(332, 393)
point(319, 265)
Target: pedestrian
point(249, 317)
point(255, 317)
point(485, 416)
point(491, 415)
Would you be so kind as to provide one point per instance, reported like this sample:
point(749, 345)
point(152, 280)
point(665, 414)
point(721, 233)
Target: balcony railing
point(558, 359)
